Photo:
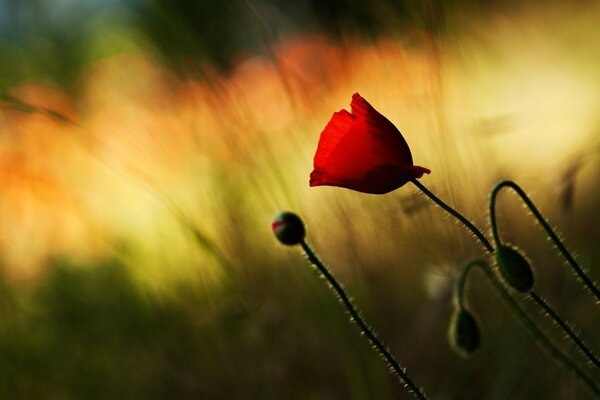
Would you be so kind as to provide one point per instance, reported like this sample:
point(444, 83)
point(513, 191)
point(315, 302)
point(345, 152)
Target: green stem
point(480, 236)
point(532, 328)
point(542, 221)
point(355, 316)
point(461, 281)
point(541, 302)
point(565, 327)
point(488, 246)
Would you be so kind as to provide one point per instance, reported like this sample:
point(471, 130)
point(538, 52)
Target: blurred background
point(146, 144)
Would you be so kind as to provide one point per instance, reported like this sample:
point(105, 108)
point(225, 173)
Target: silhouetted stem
point(542, 221)
point(461, 281)
point(455, 214)
point(355, 316)
point(547, 308)
point(488, 246)
point(565, 327)
point(532, 328)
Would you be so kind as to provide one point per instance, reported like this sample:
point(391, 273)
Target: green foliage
point(186, 32)
point(90, 332)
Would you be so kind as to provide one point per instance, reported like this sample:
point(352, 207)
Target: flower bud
point(288, 228)
point(464, 333)
point(514, 268)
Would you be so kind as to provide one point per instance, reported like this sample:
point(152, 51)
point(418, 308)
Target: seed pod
point(514, 268)
point(464, 333)
point(288, 228)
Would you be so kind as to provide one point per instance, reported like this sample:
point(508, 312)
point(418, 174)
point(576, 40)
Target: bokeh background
point(146, 144)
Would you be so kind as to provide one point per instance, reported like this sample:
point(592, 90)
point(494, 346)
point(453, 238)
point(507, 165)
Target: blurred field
point(137, 257)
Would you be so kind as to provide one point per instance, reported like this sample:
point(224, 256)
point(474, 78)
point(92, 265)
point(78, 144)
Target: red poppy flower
point(363, 151)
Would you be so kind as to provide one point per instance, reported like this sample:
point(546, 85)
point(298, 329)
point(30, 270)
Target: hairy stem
point(364, 328)
point(532, 328)
point(538, 334)
point(480, 236)
point(542, 221)
point(565, 327)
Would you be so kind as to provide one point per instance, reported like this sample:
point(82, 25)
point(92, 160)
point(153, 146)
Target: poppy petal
point(360, 106)
point(363, 151)
point(381, 127)
point(336, 128)
point(357, 152)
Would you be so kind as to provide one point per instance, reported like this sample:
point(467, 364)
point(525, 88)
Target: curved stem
point(565, 327)
point(530, 325)
point(461, 280)
point(532, 328)
point(480, 236)
point(542, 221)
point(492, 213)
point(355, 316)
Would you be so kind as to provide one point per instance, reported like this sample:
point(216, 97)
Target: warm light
point(144, 149)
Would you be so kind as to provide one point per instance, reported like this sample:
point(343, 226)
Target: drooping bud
point(288, 228)
point(464, 333)
point(514, 268)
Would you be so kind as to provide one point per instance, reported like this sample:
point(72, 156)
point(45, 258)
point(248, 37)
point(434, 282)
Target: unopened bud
point(514, 268)
point(464, 333)
point(288, 228)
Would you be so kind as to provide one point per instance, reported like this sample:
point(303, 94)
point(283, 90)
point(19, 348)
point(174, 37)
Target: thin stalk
point(549, 231)
point(364, 328)
point(480, 236)
point(565, 327)
point(540, 301)
point(532, 328)
point(490, 249)
point(461, 281)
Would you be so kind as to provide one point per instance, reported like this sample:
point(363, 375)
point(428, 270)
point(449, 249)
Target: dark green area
point(90, 332)
point(46, 40)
